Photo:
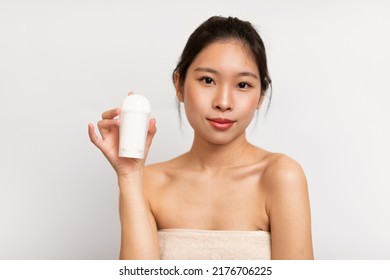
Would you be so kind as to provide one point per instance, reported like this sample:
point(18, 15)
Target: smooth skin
point(223, 182)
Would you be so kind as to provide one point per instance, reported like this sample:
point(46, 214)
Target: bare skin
point(223, 182)
point(261, 190)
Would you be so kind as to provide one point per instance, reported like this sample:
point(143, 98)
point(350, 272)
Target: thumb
point(151, 132)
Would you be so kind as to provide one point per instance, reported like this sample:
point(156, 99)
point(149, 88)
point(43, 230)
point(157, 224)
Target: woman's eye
point(243, 85)
point(207, 80)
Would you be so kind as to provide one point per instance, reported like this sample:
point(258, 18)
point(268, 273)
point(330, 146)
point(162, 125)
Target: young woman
point(224, 198)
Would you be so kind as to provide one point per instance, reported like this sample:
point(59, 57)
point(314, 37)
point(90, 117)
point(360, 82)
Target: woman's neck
point(208, 156)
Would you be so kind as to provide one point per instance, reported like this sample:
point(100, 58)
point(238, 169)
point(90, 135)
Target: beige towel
point(187, 244)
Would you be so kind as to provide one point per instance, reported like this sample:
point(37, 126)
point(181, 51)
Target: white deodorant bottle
point(134, 123)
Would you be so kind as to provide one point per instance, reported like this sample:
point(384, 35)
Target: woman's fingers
point(107, 125)
point(110, 114)
point(106, 128)
point(92, 136)
point(152, 127)
point(103, 146)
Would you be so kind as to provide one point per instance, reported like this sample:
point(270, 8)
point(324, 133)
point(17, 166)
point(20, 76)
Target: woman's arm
point(288, 208)
point(139, 238)
point(138, 228)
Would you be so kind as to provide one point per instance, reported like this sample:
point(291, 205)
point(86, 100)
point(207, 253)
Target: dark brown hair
point(219, 28)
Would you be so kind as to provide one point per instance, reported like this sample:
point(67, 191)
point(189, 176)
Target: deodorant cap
point(135, 103)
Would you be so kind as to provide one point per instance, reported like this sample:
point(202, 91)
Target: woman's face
point(221, 92)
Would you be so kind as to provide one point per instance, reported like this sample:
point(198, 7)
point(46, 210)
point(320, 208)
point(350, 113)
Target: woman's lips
point(221, 124)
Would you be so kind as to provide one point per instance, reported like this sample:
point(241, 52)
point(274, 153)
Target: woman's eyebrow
point(250, 74)
point(206, 69)
point(213, 71)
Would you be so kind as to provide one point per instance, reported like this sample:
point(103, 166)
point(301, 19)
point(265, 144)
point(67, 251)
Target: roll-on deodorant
point(134, 123)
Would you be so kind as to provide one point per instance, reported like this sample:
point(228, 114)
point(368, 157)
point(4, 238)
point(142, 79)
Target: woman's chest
point(224, 201)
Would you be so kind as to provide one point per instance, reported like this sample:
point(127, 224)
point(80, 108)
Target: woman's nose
point(223, 100)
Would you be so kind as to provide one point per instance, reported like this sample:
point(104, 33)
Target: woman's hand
point(109, 143)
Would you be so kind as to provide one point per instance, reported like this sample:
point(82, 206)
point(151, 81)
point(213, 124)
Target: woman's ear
point(260, 100)
point(178, 87)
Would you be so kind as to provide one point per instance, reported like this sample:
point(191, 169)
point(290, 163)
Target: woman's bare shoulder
point(288, 208)
point(275, 164)
point(158, 177)
point(160, 173)
point(278, 166)
point(173, 163)
point(284, 178)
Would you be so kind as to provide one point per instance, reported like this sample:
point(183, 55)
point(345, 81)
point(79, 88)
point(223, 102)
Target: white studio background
point(62, 63)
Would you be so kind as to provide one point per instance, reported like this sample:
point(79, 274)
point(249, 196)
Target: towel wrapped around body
point(188, 244)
